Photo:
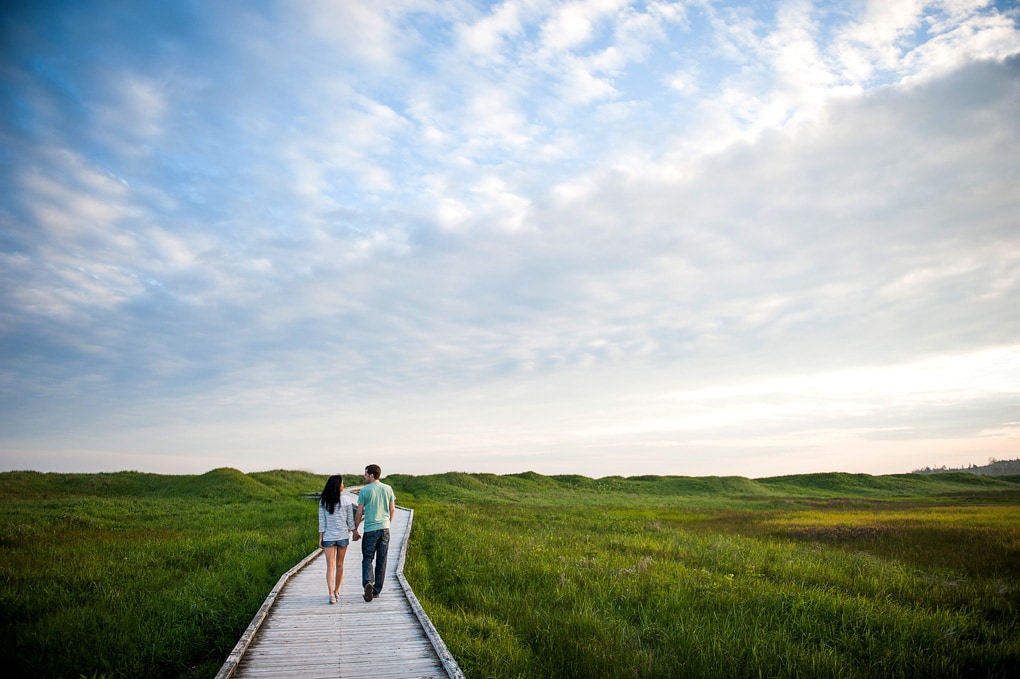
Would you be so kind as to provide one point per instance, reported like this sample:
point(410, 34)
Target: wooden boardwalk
point(298, 633)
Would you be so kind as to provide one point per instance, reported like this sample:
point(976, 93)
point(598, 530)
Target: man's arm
point(358, 515)
point(393, 510)
point(350, 521)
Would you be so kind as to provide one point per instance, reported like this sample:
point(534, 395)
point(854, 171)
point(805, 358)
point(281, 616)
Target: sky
point(593, 237)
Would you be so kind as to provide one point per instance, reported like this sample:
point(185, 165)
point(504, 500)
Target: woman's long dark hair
point(330, 496)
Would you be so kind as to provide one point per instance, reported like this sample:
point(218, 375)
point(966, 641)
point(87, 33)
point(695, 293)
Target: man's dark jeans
point(374, 545)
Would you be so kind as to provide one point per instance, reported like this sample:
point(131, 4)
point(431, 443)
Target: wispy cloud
point(559, 235)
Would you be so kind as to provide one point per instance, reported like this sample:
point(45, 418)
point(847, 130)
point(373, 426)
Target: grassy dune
point(825, 575)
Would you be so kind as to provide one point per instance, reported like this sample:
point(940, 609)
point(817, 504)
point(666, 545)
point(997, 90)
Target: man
point(376, 504)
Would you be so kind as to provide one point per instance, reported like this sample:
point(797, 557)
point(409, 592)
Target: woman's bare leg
point(330, 568)
point(341, 552)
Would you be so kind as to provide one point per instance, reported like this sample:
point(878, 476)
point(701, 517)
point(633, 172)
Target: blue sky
point(596, 237)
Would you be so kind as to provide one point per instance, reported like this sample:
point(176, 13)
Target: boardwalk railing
point(297, 632)
point(230, 666)
point(445, 657)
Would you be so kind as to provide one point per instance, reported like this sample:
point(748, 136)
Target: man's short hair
point(374, 470)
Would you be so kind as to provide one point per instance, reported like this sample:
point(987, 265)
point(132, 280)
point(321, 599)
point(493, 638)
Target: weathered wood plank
point(298, 633)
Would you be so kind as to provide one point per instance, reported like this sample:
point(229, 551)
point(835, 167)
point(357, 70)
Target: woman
point(336, 528)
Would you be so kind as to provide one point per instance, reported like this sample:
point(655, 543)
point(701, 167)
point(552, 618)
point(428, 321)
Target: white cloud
point(876, 40)
point(494, 119)
point(358, 27)
point(499, 205)
point(71, 198)
point(582, 86)
point(134, 115)
point(571, 25)
point(505, 225)
point(487, 36)
point(975, 39)
point(882, 40)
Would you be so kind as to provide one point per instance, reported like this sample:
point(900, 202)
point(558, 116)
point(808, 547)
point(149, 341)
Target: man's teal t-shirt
point(376, 498)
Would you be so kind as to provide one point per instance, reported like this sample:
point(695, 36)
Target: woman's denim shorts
point(336, 543)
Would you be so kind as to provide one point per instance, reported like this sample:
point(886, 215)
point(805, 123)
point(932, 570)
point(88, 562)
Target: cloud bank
point(589, 237)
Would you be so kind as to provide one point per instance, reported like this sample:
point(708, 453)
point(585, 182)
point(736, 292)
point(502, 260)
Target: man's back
point(376, 498)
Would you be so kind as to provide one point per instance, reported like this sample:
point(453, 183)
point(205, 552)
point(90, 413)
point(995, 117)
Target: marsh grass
point(831, 575)
point(141, 575)
point(818, 576)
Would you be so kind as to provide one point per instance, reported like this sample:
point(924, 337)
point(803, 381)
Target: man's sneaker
point(368, 592)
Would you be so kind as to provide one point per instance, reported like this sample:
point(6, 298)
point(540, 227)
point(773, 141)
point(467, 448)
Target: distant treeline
point(993, 468)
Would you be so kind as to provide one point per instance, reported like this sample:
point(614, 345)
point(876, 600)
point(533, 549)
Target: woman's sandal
point(332, 600)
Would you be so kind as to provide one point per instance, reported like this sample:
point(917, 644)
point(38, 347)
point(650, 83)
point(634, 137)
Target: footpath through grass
point(829, 575)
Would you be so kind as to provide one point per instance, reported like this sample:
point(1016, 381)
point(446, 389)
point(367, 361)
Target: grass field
point(817, 576)
point(829, 575)
point(142, 575)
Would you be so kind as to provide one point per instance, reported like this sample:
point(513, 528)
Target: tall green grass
point(816, 576)
point(829, 575)
point(142, 575)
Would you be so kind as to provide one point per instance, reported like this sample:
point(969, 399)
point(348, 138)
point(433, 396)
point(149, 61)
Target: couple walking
point(338, 525)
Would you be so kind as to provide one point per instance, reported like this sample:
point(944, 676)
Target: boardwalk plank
point(297, 632)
